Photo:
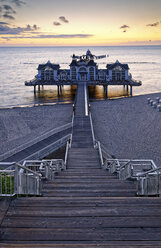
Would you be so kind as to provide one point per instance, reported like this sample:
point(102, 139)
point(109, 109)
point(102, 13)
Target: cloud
point(8, 9)
point(18, 3)
point(124, 27)
point(4, 23)
point(7, 16)
point(56, 23)
point(4, 29)
point(7, 12)
point(63, 19)
point(35, 27)
point(59, 36)
point(155, 24)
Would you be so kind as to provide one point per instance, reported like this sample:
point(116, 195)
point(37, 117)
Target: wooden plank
point(46, 234)
point(84, 211)
point(83, 222)
point(84, 244)
point(93, 200)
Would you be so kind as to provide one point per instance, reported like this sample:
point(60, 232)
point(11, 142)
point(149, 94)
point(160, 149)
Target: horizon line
point(139, 45)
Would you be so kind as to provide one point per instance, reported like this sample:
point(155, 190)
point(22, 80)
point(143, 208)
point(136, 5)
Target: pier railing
point(19, 181)
point(147, 174)
point(68, 146)
point(26, 179)
point(129, 169)
point(149, 183)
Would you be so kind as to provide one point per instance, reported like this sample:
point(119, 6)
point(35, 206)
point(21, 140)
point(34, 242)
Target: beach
point(21, 125)
point(129, 128)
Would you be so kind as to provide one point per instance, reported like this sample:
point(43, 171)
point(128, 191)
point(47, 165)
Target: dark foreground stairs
point(84, 207)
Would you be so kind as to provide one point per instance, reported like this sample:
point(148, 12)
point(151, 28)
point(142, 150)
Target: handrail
point(28, 170)
point(67, 150)
point(148, 172)
point(100, 153)
point(34, 141)
point(6, 164)
point(48, 148)
point(26, 179)
point(93, 136)
point(123, 165)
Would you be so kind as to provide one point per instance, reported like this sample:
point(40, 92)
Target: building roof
point(48, 65)
point(74, 63)
point(91, 63)
point(86, 63)
point(117, 63)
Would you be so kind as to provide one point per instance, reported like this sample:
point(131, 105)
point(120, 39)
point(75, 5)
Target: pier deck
point(85, 206)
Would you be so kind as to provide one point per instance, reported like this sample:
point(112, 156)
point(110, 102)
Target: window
point(73, 73)
point(91, 73)
point(118, 74)
point(101, 75)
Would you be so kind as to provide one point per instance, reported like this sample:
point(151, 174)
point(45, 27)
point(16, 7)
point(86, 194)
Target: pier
point(85, 205)
point(84, 69)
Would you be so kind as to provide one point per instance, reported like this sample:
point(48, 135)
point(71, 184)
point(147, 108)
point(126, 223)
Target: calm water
point(18, 65)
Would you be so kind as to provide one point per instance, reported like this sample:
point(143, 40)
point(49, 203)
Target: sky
point(80, 22)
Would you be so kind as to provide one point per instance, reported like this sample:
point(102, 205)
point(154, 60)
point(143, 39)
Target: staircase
point(85, 206)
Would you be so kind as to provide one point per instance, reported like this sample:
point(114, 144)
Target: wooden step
point(77, 211)
point(75, 234)
point(82, 222)
point(82, 244)
point(62, 193)
point(132, 202)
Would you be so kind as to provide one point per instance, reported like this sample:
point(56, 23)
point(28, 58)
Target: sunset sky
point(84, 22)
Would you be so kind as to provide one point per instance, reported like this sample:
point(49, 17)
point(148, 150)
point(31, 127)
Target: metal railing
point(20, 180)
point(93, 136)
point(149, 183)
point(34, 141)
point(26, 179)
point(40, 154)
point(98, 145)
point(132, 167)
point(128, 169)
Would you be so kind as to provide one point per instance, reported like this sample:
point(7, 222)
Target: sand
point(129, 128)
point(20, 125)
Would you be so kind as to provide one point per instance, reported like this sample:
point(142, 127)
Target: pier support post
point(58, 90)
point(106, 91)
point(131, 90)
point(38, 88)
point(34, 89)
point(127, 88)
point(61, 89)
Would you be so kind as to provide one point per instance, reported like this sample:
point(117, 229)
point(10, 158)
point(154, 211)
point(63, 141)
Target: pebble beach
point(21, 125)
point(129, 128)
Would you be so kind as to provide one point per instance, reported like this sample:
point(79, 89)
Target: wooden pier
point(127, 85)
point(85, 206)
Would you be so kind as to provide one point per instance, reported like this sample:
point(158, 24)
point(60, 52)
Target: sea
point(19, 64)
